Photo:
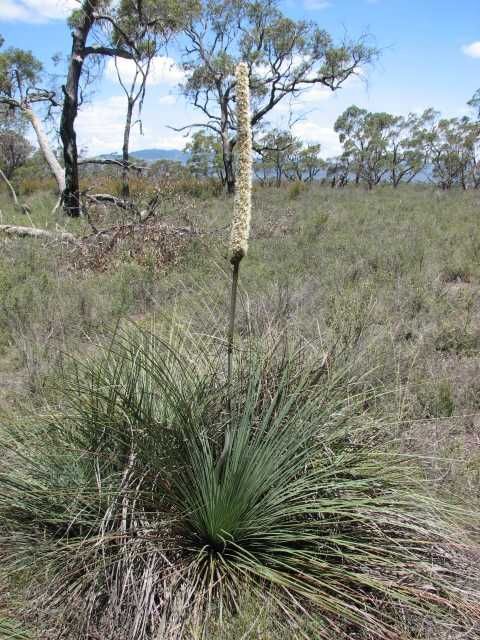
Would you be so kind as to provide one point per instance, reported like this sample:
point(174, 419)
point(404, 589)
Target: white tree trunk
point(44, 144)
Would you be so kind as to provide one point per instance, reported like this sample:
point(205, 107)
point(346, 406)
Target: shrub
point(452, 338)
point(296, 189)
point(31, 185)
point(140, 518)
point(202, 189)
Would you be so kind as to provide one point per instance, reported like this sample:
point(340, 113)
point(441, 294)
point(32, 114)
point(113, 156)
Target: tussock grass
point(118, 504)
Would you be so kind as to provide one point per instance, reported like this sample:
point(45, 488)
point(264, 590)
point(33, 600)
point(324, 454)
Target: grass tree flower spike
point(242, 208)
point(243, 193)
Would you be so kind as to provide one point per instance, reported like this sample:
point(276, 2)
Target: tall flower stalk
point(242, 208)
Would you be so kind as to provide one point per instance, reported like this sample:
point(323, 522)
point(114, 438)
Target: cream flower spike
point(242, 207)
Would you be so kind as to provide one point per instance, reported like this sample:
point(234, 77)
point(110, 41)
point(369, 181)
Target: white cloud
point(305, 102)
point(311, 132)
point(472, 50)
point(100, 125)
point(163, 70)
point(36, 10)
point(12, 12)
point(100, 129)
point(169, 140)
point(315, 94)
point(262, 70)
point(316, 5)
point(169, 99)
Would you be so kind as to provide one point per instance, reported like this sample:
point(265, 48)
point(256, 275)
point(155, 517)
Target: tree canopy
point(284, 56)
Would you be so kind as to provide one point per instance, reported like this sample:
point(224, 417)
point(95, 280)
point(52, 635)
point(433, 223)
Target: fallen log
point(102, 235)
point(107, 198)
point(22, 232)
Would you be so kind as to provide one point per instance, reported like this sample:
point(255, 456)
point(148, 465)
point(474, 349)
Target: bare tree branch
point(108, 161)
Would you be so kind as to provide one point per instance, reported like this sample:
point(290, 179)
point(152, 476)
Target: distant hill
point(151, 155)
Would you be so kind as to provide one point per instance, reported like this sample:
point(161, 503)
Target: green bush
point(295, 190)
point(144, 509)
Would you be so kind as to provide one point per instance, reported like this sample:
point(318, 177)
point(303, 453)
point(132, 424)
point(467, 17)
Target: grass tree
point(113, 506)
point(164, 493)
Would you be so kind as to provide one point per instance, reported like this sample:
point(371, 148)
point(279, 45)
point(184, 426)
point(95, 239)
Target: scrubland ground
point(392, 276)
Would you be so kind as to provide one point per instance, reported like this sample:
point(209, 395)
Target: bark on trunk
point(278, 176)
point(71, 199)
point(125, 150)
point(227, 146)
point(228, 164)
point(48, 154)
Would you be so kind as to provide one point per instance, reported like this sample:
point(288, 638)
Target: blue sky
point(430, 57)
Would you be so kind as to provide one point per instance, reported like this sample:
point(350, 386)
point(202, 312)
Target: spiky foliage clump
point(11, 630)
point(115, 504)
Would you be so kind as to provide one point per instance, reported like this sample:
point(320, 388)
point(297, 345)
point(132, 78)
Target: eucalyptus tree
point(338, 170)
point(134, 87)
point(383, 146)
point(143, 27)
point(100, 29)
point(364, 136)
point(375, 157)
point(350, 128)
point(284, 56)
point(15, 150)
point(469, 134)
point(20, 79)
point(407, 152)
point(85, 22)
point(305, 163)
point(453, 152)
point(475, 102)
point(205, 156)
point(282, 155)
point(275, 149)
